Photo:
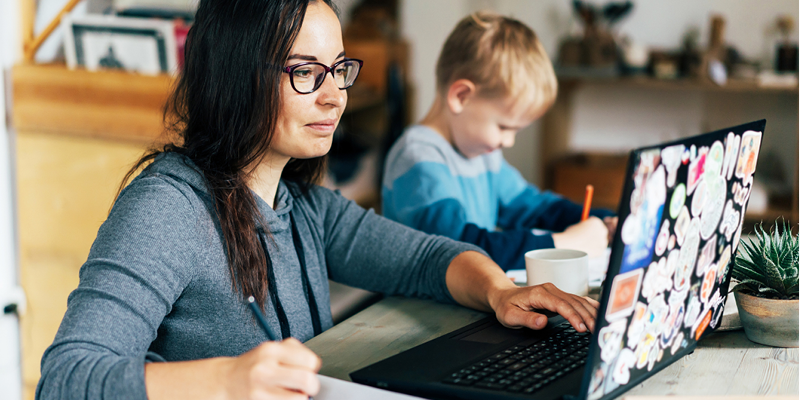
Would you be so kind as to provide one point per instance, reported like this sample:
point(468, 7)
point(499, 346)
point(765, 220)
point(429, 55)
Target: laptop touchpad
point(493, 333)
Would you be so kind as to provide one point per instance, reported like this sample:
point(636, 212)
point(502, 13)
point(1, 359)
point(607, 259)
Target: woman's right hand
point(590, 236)
point(274, 370)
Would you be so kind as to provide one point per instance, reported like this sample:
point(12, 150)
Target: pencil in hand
point(260, 318)
point(587, 202)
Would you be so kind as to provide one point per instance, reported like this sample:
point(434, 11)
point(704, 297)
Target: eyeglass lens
point(308, 78)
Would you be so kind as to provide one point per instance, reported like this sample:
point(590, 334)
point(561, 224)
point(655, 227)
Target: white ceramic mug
point(567, 269)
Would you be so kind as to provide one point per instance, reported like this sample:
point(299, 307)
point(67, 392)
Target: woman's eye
point(340, 71)
point(302, 73)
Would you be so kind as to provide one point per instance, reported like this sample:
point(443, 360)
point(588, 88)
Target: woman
point(230, 211)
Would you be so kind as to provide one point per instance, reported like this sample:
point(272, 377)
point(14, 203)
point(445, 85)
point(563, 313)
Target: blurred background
point(84, 82)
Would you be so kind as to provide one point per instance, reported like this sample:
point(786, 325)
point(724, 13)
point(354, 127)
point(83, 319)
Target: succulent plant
point(767, 265)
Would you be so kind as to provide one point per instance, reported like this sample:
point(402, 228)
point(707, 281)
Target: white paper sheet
point(337, 389)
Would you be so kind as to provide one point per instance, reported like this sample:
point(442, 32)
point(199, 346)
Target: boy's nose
point(508, 140)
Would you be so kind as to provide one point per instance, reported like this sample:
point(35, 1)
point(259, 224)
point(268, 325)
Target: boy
point(447, 175)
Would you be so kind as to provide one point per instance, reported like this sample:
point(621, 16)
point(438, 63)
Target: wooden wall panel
point(65, 186)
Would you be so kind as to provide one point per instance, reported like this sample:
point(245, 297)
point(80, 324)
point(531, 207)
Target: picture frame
point(96, 42)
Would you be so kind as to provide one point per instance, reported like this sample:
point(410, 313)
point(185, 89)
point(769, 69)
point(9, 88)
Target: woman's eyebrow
point(310, 58)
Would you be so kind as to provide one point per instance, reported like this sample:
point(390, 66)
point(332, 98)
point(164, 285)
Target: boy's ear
point(459, 93)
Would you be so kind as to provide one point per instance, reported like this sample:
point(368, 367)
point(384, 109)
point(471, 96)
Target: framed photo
point(95, 42)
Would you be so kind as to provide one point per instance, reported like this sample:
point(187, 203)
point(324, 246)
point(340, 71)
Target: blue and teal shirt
point(428, 185)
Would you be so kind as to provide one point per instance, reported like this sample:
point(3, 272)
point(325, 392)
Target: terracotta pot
point(768, 321)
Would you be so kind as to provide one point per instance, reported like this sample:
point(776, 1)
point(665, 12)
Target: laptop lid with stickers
point(680, 220)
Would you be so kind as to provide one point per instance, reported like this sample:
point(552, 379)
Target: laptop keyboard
point(527, 368)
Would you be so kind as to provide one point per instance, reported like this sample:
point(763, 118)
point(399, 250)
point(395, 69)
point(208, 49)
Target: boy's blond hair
point(502, 57)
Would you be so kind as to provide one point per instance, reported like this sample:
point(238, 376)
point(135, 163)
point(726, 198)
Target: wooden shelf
point(733, 85)
point(108, 104)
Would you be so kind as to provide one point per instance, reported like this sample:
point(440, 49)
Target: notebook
point(680, 220)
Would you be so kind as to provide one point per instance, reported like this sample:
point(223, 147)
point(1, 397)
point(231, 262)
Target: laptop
point(680, 220)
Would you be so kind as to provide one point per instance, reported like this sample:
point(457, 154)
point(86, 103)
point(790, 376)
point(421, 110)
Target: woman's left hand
point(516, 307)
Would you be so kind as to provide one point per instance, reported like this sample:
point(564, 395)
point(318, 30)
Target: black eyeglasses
point(308, 77)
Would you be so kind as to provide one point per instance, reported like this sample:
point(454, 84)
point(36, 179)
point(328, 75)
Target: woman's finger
point(290, 352)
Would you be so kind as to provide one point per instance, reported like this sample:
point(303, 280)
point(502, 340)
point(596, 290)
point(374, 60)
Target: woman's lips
point(327, 126)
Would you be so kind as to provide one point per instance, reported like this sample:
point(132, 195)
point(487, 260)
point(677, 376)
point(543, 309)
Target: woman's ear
point(459, 94)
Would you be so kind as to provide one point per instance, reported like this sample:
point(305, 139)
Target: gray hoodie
point(156, 285)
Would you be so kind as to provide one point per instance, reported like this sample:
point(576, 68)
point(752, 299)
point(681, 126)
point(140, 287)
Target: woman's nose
point(330, 94)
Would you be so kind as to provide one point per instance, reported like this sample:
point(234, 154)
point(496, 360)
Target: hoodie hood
point(182, 169)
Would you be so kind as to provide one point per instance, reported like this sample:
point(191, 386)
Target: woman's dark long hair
point(223, 112)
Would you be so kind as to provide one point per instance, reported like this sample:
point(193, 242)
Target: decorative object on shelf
point(767, 293)
point(139, 45)
point(786, 52)
point(596, 49)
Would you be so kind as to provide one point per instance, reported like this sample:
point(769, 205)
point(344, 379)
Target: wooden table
point(724, 364)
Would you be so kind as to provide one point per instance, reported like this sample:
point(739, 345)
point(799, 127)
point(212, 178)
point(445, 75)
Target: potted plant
point(767, 293)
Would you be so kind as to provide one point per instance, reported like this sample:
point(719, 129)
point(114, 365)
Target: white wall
point(10, 375)
point(613, 119)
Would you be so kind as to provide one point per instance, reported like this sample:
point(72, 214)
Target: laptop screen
point(680, 220)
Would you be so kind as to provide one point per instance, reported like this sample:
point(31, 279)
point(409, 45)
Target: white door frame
point(10, 53)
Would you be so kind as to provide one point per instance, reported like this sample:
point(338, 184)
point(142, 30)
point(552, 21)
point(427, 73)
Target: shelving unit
point(566, 176)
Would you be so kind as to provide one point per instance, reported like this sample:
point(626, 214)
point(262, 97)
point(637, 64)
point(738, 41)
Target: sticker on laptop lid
point(731, 151)
point(621, 373)
point(730, 221)
point(716, 190)
point(696, 169)
point(671, 158)
point(682, 225)
point(610, 339)
point(748, 153)
point(624, 293)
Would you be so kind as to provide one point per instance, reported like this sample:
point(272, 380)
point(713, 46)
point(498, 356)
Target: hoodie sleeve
point(524, 206)
point(374, 253)
point(136, 269)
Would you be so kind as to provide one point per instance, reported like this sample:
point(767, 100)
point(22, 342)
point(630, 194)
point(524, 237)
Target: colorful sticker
point(702, 325)
point(692, 309)
point(740, 193)
point(697, 169)
point(643, 350)
point(657, 279)
point(610, 340)
point(707, 256)
point(622, 367)
point(677, 297)
point(677, 201)
point(748, 153)
point(714, 205)
point(699, 199)
point(682, 224)
point(688, 255)
point(663, 238)
point(723, 264)
point(671, 158)
point(708, 285)
point(624, 293)
point(672, 325)
point(637, 254)
point(730, 221)
point(714, 160)
point(731, 151)
point(636, 327)
point(596, 384)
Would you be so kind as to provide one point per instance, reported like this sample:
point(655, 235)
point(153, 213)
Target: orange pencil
point(587, 202)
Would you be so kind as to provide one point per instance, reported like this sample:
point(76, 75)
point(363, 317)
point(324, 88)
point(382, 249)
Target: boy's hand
point(515, 307)
point(611, 225)
point(590, 236)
